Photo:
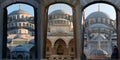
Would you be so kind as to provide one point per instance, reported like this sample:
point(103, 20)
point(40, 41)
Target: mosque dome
point(98, 14)
point(20, 11)
point(61, 21)
point(59, 12)
point(19, 48)
point(9, 40)
point(98, 25)
point(31, 41)
point(98, 52)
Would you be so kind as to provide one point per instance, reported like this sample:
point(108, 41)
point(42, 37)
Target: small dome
point(20, 11)
point(97, 36)
point(98, 15)
point(19, 48)
point(99, 26)
point(9, 40)
point(31, 41)
point(17, 36)
point(59, 12)
point(98, 52)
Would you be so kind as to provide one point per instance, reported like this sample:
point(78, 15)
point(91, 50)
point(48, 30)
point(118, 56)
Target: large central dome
point(59, 12)
point(20, 11)
point(98, 14)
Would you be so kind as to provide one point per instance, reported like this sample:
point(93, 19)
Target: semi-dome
point(99, 26)
point(98, 14)
point(31, 41)
point(98, 36)
point(60, 12)
point(98, 52)
point(9, 40)
point(20, 11)
point(19, 48)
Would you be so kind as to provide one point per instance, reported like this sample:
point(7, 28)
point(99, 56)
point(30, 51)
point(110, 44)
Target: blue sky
point(90, 9)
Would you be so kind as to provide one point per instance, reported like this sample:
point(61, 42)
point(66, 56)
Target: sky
point(109, 10)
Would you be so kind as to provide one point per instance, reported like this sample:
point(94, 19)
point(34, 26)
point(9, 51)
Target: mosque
point(59, 35)
point(20, 39)
point(99, 37)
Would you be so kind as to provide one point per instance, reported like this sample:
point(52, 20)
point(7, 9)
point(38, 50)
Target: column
point(118, 31)
point(78, 31)
point(42, 31)
point(39, 31)
point(1, 31)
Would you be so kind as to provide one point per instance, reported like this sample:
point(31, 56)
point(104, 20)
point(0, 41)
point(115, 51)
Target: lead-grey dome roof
point(20, 11)
point(19, 48)
point(98, 14)
point(59, 12)
point(98, 52)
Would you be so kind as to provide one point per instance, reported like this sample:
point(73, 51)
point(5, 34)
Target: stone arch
point(48, 45)
point(9, 2)
point(60, 47)
point(75, 4)
point(60, 41)
point(71, 3)
point(87, 3)
point(4, 6)
point(105, 2)
point(71, 41)
point(94, 2)
point(72, 47)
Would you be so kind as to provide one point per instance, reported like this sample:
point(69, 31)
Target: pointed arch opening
point(99, 25)
point(60, 22)
point(60, 47)
point(16, 32)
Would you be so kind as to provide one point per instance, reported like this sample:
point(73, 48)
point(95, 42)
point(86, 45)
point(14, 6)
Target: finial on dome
point(19, 6)
point(98, 7)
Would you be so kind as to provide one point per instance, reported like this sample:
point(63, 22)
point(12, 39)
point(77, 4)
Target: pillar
point(1, 31)
point(78, 31)
point(42, 29)
point(118, 31)
point(39, 33)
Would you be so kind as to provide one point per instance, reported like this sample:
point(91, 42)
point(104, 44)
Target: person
point(84, 56)
point(115, 53)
